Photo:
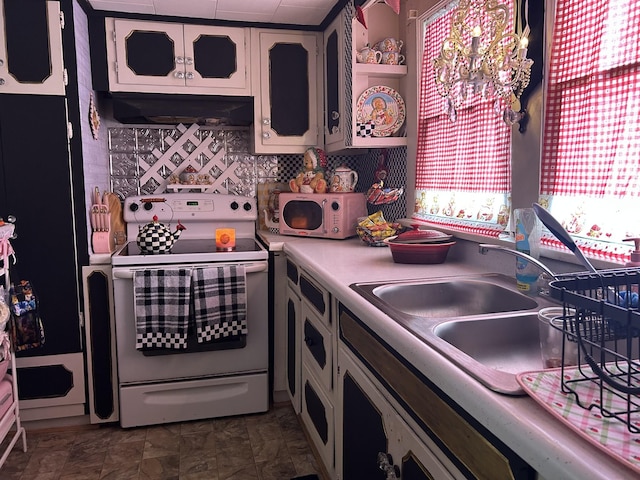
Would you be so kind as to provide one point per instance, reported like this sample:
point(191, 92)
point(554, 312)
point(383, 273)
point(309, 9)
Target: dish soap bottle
point(527, 241)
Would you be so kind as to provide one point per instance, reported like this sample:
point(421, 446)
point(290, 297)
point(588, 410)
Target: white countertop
point(550, 447)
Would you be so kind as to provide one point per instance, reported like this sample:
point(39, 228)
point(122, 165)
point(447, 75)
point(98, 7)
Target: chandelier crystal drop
point(483, 55)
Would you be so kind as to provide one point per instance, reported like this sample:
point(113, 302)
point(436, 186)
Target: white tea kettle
point(343, 179)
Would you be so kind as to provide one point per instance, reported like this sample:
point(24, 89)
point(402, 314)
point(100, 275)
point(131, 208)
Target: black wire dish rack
point(601, 314)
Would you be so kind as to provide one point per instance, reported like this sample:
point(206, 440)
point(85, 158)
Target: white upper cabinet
point(162, 57)
point(359, 84)
point(31, 48)
point(286, 86)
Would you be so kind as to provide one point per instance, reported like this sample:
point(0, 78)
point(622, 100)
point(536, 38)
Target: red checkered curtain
point(591, 147)
point(463, 169)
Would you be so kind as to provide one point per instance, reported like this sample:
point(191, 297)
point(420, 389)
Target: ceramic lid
point(418, 235)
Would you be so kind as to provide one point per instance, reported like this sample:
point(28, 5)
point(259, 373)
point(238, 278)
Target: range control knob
point(134, 207)
point(148, 205)
point(234, 205)
point(247, 206)
point(335, 206)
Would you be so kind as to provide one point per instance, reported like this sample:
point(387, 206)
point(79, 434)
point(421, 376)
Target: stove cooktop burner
point(191, 250)
point(192, 246)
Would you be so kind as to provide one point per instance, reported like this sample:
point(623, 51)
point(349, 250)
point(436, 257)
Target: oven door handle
point(127, 273)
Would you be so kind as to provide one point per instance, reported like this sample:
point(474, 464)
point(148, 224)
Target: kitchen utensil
point(561, 234)
point(418, 252)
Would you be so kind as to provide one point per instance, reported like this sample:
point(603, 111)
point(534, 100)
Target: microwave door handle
point(324, 226)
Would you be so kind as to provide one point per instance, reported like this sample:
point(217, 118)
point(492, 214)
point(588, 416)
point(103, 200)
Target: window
point(591, 144)
point(463, 169)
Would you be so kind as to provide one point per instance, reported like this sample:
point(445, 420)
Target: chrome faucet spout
point(485, 247)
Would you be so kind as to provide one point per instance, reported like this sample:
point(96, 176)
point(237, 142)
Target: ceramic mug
point(389, 44)
point(369, 55)
point(392, 58)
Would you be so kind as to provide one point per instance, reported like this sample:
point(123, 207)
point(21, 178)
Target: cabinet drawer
point(316, 297)
point(318, 417)
point(317, 347)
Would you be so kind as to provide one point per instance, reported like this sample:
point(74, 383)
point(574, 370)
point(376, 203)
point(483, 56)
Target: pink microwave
point(326, 215)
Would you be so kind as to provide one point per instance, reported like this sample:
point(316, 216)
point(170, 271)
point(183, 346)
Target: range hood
point(170, 109)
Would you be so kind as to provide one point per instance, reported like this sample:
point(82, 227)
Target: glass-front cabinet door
point(31, 48)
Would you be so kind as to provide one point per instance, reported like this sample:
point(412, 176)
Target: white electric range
point(220, 378)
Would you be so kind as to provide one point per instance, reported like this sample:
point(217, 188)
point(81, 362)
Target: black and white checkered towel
point(162, 300)
point(220, 302)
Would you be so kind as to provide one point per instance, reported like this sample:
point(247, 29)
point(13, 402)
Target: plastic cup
point(552, 338)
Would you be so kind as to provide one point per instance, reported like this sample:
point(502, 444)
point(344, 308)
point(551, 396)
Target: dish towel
point(162, 307)
point(220, 302)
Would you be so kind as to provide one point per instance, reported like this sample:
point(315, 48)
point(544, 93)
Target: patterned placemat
point(610, 435)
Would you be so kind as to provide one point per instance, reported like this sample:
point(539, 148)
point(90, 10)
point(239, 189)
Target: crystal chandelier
point(483, 55)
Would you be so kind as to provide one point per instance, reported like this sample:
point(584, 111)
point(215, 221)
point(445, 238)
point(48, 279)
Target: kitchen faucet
point(485, 247)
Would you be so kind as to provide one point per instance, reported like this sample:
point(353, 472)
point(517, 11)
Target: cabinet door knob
point(266, 135)
point(190, 76)
point(188, 60)
point(335, 115)
point(179, 74)
point(180, 60)
point(266, 121)
point(2, 81)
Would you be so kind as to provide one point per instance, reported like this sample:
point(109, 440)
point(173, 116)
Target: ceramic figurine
point(312, 178)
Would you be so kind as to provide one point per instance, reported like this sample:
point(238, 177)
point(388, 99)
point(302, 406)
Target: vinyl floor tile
point(265, 446)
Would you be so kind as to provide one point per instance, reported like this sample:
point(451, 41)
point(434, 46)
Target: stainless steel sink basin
point(448, 299)
point(481, 323)
point(508, 344)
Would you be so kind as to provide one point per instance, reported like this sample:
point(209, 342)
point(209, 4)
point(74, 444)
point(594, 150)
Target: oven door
point(134, 367)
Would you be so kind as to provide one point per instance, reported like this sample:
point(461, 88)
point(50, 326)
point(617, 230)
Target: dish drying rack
point(601, 314)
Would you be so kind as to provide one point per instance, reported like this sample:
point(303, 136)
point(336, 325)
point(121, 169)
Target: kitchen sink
point(508, 344)
point(481, 323)
point(445, 299)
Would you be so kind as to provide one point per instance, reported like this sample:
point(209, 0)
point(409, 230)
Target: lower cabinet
point(369, 413)
point(373, 441)
point(318, 417)
point(100, 344)
point(385, 406)
point(293, 356)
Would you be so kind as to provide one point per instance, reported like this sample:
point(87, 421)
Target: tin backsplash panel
point(142, 160)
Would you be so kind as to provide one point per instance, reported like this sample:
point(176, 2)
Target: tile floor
point(268, 446)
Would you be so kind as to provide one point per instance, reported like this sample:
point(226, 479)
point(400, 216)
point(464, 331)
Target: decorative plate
point(382, 106)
